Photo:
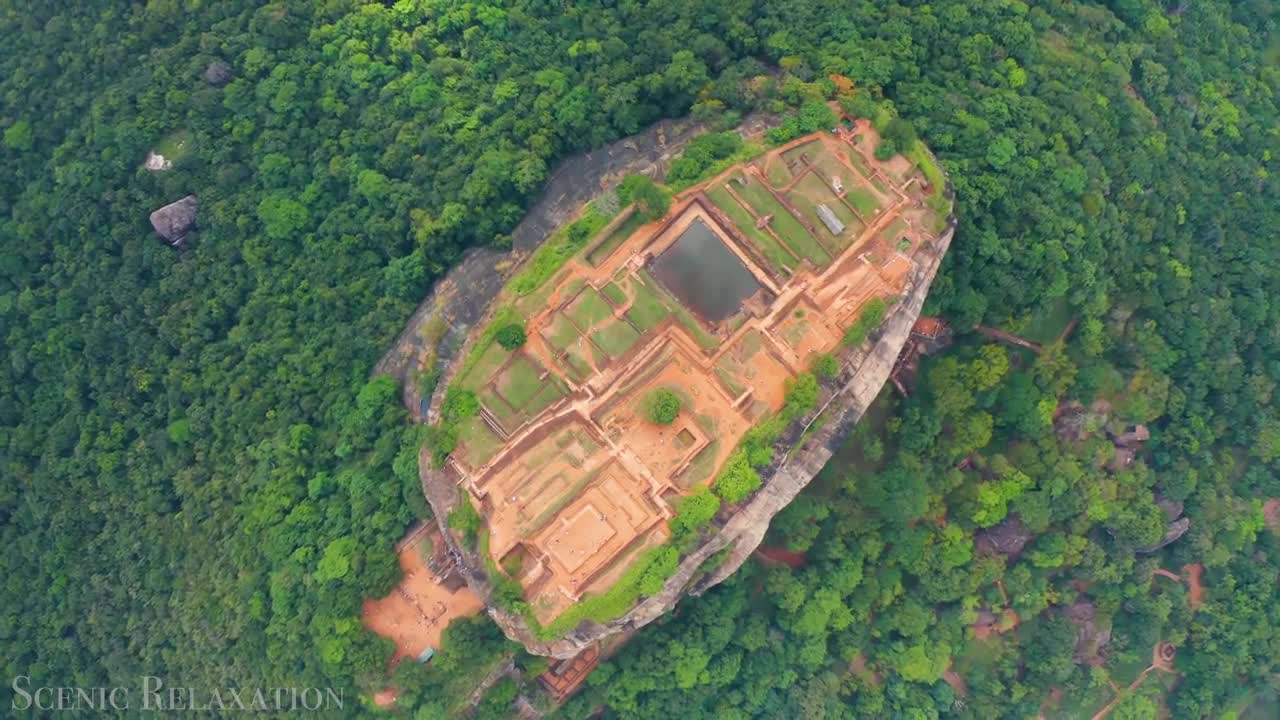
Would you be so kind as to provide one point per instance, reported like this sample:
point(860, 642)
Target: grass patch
point(521, 382)
point(479, 443)
point(551, 391)
point(701, 467)
point(589, 309)
point(777, 173)
point(729, 381)
point(645, 577)
point(792, 232)
point(174, 146)
point(777, 256)
point(920, 157)
point(603, 249)
point(507, 415)
point(870, 317)
point(647, 308)
point(813, 191)
point(863, 201)
point(556, 251)
point(575, 363)
point(616, 338)
point(503, 316)
point(614, 294)
point(560, 333)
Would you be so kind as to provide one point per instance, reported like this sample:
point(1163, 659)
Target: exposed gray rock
point(1176, 529)
point(218, 73)
point(1007, 537)
point(1092, 635)
point(174, 221)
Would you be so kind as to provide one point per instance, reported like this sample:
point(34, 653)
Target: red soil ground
point(782, 555)
point(418, 610)
point(1194, 586)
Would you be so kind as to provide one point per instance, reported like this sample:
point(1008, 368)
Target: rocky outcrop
point(1173, 531)
point(1007, 538)
point(1093, 634)
point(218, 73)
point(744, 531)
point(727, 545)
point(174, 221)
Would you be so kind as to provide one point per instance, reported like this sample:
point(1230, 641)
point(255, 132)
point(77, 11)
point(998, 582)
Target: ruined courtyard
point(736, 289)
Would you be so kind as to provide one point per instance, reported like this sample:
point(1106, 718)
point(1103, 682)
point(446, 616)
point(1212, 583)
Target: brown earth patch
point(790, 558)
point(418, 610)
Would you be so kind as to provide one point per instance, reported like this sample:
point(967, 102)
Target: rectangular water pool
point(704, 274)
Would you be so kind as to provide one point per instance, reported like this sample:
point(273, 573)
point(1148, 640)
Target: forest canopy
point(200, 477)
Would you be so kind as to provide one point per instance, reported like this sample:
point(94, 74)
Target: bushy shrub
point(511, 336)
point(662, 407)
point(825, 366)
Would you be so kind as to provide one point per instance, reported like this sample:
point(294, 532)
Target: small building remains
point(829, 219)
point(837, 184)
point(174, 221)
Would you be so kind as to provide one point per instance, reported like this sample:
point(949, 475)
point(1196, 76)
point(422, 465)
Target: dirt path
point(1194, 586)
point(1271, 513)
point(1053, 698)
point(1166, 573)
point(956, 682)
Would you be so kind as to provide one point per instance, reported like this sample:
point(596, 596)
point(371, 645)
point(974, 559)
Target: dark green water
point(704, 274)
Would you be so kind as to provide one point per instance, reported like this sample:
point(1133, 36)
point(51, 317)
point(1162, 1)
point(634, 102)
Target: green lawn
point(560, 333)
point(615, 294)
point(647, 308)
point(598, 254)
point(479, 443)
point(784, 223)
point(493, 358)
point(860, 164)
point(863, 201)
point(616, 338)
point(574, 362)
point(778, 174)
point(588, 309)
point(777, 256)
point(175, 145)
point(506, 415)
point(813, 191)
point(551, 391)
point(521, 382)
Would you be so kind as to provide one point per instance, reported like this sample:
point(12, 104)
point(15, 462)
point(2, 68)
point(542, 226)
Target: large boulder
point(1092, 635)
point(1176, 529)
point(174, 221)
point(1008, 537)
point(218, 73)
